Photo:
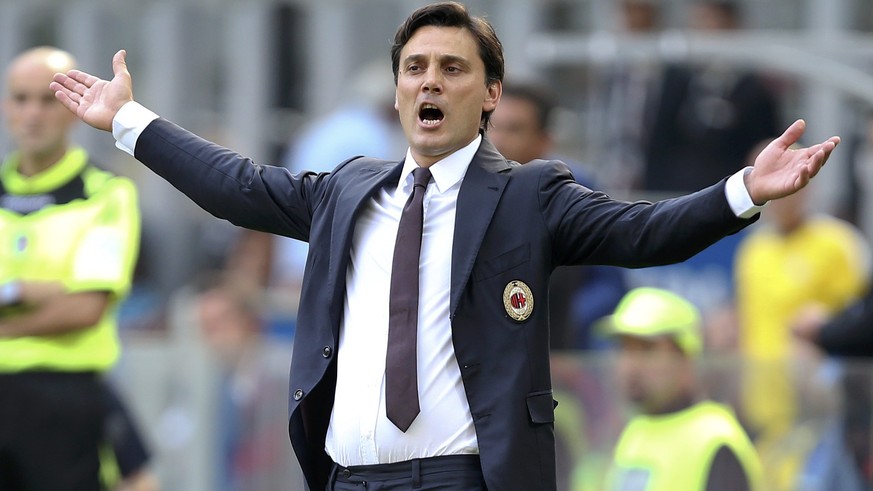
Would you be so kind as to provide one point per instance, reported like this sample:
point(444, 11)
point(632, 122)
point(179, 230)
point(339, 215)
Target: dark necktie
point(401, 381)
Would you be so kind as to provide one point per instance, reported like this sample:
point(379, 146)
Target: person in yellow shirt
point(678, 440)
point(69, 237)
point(793, 259)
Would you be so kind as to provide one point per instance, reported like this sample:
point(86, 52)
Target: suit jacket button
point(298, 394)
point(326, 352)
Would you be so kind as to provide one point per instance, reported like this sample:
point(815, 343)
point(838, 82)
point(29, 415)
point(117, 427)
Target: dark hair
point(538, 95)
point(453, 14)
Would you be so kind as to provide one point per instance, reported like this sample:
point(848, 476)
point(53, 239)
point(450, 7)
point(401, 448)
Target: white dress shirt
point(359, 432)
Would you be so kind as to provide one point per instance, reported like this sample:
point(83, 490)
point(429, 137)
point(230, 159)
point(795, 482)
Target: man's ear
point(492, 97)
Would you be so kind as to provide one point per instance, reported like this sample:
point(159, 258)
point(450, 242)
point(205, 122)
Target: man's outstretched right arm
point(220, 181)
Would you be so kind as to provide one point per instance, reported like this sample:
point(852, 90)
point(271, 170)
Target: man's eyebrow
point(444, 58)
point(412, 57)
point(454, 59)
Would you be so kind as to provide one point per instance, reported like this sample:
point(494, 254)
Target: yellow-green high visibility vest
point(674, 452)
point(80, 226)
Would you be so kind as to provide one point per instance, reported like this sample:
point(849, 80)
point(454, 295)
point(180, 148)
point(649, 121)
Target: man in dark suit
point(493, 232)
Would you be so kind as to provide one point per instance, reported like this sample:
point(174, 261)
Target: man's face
point(441, 91)
point(515, 131)
point(37, 122)
point(652, 372)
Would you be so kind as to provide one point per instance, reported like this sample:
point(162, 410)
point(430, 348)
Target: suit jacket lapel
point(477, 199)
point(362, 185)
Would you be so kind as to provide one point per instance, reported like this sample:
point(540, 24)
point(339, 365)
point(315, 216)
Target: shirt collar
point(68, 167)
point(446, 172)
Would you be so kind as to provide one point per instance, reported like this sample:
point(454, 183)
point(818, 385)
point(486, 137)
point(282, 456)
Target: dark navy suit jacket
point(513, 222)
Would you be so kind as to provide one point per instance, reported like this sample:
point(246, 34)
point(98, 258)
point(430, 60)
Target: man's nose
point(32, 109)
point(433, 81)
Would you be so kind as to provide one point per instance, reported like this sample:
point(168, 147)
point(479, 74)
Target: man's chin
point(431, 149)
point(429, 142)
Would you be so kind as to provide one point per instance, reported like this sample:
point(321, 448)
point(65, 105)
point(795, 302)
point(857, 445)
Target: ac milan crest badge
point(518, 300)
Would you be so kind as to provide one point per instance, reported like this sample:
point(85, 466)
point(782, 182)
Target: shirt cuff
point(738, 196)
point(129, 123)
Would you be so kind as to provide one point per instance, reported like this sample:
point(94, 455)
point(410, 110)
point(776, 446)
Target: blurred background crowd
point(645, 99)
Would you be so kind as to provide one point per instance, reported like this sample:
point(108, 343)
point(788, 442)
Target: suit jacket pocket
point(541, 406)
point(493, 266)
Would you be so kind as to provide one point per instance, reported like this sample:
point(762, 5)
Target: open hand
point(781, 170)
point(94, 100)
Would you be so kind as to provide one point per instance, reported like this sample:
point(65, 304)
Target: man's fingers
point(83, 78)
point(827, 147)
point(119, 65)
point(791, 134)
point(816, 164)
point(68, 83)
point(66, 96)
point(59, 81)
point(64, 99)
point(61, 92)
point(830, 144)
point(802, 178)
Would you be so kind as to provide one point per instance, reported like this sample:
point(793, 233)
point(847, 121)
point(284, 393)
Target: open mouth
point(430, 115)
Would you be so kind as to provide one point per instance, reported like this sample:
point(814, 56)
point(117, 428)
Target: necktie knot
point(420, 176)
